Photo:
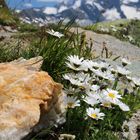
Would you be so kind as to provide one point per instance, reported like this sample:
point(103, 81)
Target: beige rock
point(28, 98)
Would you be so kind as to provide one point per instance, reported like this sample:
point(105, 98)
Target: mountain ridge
point(86, 11)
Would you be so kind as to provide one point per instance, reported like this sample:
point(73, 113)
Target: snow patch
point(90, 2)
point(128, 1)
point(98, 6)
point(37, 10)
point(112, 14)
point(18, 11)
point(77, 4)
point(62, 8)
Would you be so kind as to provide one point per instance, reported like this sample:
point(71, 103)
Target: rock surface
point(114, 45)
point(27, 98)
point(131, 129)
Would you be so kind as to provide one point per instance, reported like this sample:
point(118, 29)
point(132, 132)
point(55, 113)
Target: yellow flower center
point(111, 95)
point(106, 104)
point(82, 87)
point(70, 105)
point(94, 115)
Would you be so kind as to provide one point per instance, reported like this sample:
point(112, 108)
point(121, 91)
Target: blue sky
point(23, 4)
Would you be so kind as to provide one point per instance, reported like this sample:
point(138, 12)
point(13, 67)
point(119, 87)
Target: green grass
point(107, 24)
point(55, 52)
point(52, 49)
point(25, 27)
point(124, 30)
point(7, 18)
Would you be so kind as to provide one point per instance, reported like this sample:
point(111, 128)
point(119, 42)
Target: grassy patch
point(25, 27)
point(7, 18)
point(53, 49)
point(126, 30)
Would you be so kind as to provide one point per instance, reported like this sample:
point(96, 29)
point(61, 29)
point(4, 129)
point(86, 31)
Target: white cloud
point(28, 5)
point(130, 12)
point(50, 10)
point(48, 0)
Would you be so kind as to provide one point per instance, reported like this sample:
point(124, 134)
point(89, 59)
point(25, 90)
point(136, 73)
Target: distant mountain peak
point(86, 11)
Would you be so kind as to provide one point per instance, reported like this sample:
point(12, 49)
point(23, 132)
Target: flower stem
point(87, 128)
point(115, 83)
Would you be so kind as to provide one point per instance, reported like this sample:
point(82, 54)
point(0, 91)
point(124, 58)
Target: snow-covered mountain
point(85, 11)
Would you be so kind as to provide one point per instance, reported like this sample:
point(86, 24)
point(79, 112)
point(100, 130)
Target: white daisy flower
point(108, 75)
point(79, 79)
point(84, 80)
point(95, 113)
point(111, 95)
point(103, 65)
point(129, 78)
point(88, 64)
point(71, 90)
point(136, 81)
point(71, 102)
point(122, 71)
point(95, 87)
point(75, 63)
point(91, 101)
point(57, 34)
point(75, 59)
point(104, 29)
point(83, 77)
point(123, 106)
point(125, 61)
point(72, 78)
point(97, 72)
point(113, 70)
point(130, 38)
point(106, 104)
point(95, 65)
point(93, 94)
point(113, 28)
point(90, 88)
point(92, 98)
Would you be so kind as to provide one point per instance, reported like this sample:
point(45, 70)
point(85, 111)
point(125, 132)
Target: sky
point(23, 4)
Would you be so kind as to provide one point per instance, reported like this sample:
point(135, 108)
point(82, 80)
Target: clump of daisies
point(95, 91)
point(98, 84)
